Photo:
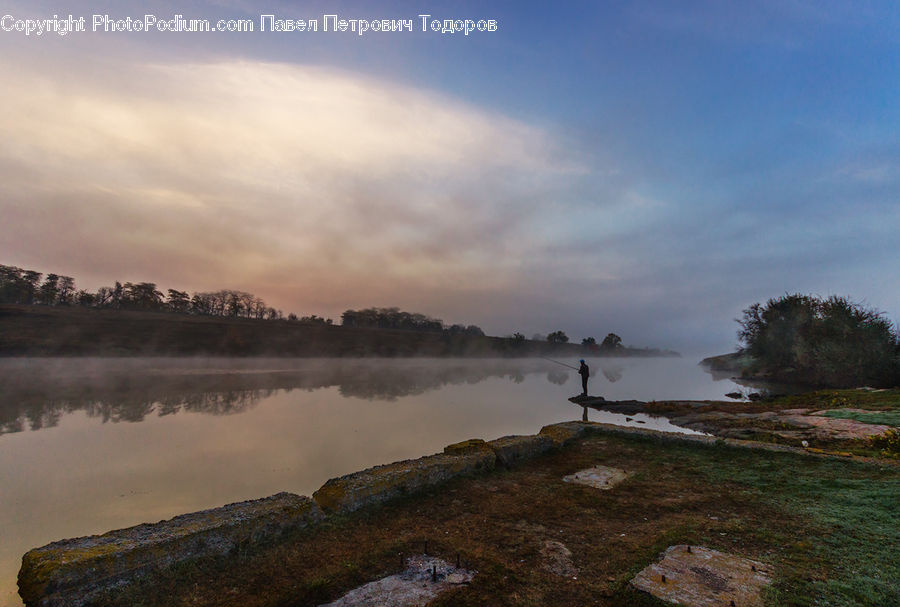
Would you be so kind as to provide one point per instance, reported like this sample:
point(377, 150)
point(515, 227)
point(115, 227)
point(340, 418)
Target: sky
point(649, 169)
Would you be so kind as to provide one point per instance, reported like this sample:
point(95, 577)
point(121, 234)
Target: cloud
point(305, 185)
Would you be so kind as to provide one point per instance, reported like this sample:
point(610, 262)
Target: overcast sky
point(649, 169)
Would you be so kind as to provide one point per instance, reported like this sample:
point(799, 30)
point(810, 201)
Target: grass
point(870, 400)
point(828, 527)
point(848, 528)
point(887, 418)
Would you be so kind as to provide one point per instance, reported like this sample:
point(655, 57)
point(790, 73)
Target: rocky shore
point(823, 421)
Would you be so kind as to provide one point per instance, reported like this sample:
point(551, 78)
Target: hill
point(76, 331)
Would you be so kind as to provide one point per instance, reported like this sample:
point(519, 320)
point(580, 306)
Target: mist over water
point(90, 445)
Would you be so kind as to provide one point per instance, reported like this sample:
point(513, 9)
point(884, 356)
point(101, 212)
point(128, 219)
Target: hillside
point(76, 331)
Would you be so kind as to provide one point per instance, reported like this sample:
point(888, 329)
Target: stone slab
point(704, 578)
point(415, 586)
point(382, 483)
point(512, 449)
point(599, 477)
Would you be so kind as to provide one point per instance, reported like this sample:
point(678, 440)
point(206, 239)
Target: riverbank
point(859, 422)
point(532, 538)
point(39, 331)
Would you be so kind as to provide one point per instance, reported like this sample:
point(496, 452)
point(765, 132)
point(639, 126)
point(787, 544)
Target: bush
point(827, 342)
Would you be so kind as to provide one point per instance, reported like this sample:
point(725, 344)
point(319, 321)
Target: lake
point(90, 445)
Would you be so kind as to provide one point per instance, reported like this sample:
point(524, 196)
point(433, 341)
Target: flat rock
point(834, 428)
point(704, 578)
point(599, 477)
point(413, 587)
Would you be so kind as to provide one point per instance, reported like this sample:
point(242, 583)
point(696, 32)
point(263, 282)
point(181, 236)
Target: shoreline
point(68, 571)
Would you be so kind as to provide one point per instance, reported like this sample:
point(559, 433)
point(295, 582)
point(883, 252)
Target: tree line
point(610, 342)
point(395, 318)
point(28, 287)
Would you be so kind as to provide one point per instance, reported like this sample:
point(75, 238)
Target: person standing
point(584, 372)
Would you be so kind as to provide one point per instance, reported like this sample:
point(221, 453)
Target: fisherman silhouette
point(584, 372)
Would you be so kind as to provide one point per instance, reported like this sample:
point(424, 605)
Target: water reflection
point(612, 372)
point(750, 385)
point(558, 377)
point(36, 394)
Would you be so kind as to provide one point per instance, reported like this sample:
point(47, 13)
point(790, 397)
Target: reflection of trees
point(131, 409)
point(719, 374)
point(376, 383)
point(136, 408)
point(223, 403)
point(558, 377)
point(37, 395)
point(389, 380)
point(612, 372)
point(47, 413)
point(42, 402)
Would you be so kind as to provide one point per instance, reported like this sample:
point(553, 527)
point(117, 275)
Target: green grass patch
point(887, 418)
point(848, 528)
point(873, 400)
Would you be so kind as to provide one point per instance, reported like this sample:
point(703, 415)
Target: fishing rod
point(559, 363)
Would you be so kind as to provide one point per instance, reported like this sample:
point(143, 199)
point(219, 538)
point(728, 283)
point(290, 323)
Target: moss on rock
point(381, 483)
point(511, 449)
point(565, 432)
point(70, 571)
point(473, 445)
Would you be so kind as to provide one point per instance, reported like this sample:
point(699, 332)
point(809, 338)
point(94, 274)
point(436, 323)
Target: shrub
point(828, 342)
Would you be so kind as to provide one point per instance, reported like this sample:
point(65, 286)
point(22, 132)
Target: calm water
point(89, 445)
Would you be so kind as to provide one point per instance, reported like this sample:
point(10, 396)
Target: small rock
point(599, 477)
point(558, 559)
